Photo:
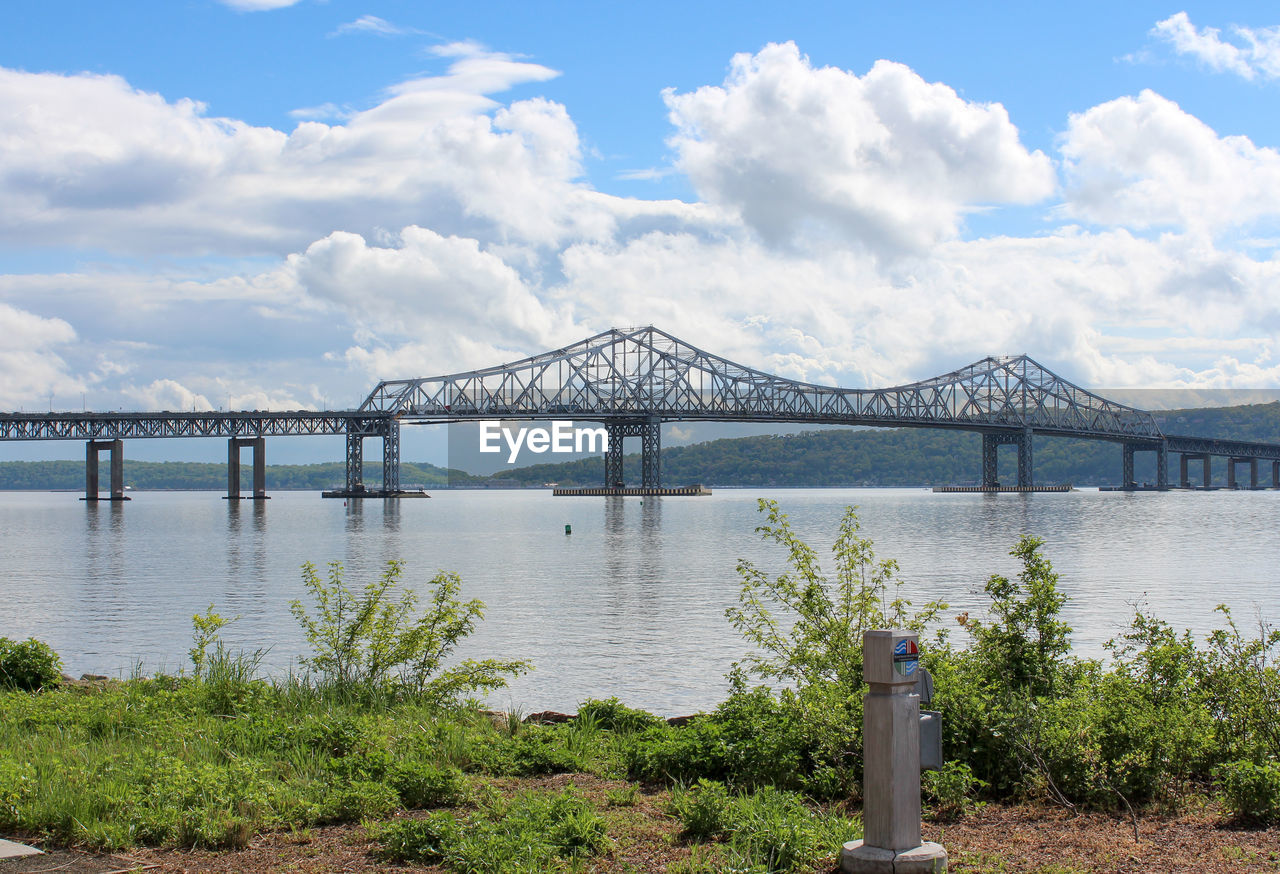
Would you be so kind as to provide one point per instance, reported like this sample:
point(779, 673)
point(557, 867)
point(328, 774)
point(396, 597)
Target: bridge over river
point(634, 380)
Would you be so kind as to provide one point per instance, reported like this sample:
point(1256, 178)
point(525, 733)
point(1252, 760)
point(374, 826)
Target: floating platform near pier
point(1001, 489)
point(373, 493)
point(638, 491)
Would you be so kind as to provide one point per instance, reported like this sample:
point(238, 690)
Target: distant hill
point(198, 475)
point(830, 458)
point(906, 456)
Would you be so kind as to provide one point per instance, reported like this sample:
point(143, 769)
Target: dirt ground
point(998, 839)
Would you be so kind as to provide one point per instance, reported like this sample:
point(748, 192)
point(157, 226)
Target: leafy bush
point(770, 830)
point(612, 715)
point(368, 641)
point(819, 655)
point(752, 739)
point(529, 833)
point(424, 784)
point(29, 665)
point(951, 789)
point(535, 750)
point(1251, 792)
point(350, 800)
point(704, 810)
point(1026, 643)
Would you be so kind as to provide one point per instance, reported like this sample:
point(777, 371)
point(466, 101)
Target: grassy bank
point(379, 732)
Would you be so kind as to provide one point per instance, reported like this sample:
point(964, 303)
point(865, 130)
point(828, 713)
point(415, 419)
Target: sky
point(273, 204)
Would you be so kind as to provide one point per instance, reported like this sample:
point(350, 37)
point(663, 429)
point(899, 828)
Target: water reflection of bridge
point(632, 381)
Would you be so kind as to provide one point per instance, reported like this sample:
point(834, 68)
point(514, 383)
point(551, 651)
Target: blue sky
point(206, 204)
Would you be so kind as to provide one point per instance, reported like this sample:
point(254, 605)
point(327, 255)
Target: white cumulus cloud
point(1256, 52)
point(1144, 162)
point(887, 158)
point(31, 362)
point(87, 160)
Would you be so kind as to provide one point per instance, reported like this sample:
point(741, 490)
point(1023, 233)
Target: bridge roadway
point(634, 380)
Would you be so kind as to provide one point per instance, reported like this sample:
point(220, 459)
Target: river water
point(631, 603)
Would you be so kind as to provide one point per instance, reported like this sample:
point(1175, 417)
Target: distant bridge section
point(108, 431)
point(632, 381)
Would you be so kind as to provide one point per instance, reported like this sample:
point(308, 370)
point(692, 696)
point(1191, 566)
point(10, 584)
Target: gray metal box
point(930, 740)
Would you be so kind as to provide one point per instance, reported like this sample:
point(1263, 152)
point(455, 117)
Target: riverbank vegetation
point(381, 731)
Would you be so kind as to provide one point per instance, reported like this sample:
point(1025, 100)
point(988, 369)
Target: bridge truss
point(634, 380)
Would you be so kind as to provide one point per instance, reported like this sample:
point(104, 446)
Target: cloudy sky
point(275, 203)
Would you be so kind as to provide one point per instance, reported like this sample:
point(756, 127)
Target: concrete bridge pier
point(1275, 474)
point(1128, 480)
point(92, 448)
point(649, 430)
point(991, 443)
point(1184, 480)
point(1231, 471)
point(259, 447)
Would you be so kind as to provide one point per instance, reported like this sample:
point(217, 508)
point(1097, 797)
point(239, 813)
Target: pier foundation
point(1184, 479)
point(649, 430)
point(991, 443)
point(1231, 472)
point(259, 447)
point(92, 448)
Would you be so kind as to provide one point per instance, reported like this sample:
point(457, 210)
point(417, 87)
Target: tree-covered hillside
point(197, 475)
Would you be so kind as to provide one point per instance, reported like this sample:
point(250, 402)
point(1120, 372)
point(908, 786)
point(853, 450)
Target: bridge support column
point(1025, 478)
point(1231, 471)
point(259, 447)
point(651, 453)
point(391, 458)
point(1275, 474)
point(92, 448)
point(650, 433)
point(355, 458)
point(990, 461)
point(1196, 456)
point(991, 443)
point(613, 477)
point(1129, 480)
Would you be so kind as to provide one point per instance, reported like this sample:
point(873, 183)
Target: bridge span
point(633, 380)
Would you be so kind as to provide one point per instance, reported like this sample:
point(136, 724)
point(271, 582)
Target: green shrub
point(352, 800)
point(370, 641)
point(420, 841)
point(535, 750)
point(770, 830)
point(529, 833)
point(29, 665)
point(612, 715)
point(1251, 792)
point(424, 784)
point(951, 789)
point(704, 811)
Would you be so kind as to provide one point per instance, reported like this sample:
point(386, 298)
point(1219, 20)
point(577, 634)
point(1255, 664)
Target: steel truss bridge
point(634, 380)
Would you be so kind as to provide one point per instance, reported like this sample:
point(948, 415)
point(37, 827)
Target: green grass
point(175, 762)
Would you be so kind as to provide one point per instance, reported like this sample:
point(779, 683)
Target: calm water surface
point(631, 604)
